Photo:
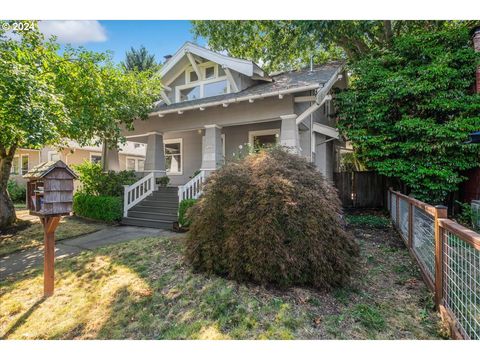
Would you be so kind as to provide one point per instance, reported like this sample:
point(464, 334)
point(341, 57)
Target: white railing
point(193, 188)
point(135, 193)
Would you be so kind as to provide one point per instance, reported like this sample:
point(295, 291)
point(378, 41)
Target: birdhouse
point(50, 189)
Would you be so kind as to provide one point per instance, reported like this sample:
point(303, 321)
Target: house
point(131, 157)
point(213, 105)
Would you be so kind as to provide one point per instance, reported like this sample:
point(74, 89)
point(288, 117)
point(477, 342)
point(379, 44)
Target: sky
point(160, 37)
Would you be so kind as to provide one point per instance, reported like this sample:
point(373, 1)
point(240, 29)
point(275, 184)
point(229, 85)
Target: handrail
point(192, 189)
point(138, 191)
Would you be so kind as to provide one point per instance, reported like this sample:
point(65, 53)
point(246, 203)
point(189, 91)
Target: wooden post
point(397, 212)
point(410, 225)
point(440, 213)
point(49, 226)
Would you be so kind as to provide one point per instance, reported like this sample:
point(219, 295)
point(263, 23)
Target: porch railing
point(448, 255)
point(138, 191)
point(193, 188)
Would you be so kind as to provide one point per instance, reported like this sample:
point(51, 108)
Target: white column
point(289, 137)
point(110, 160)
point(155, 156)
point(212, 157)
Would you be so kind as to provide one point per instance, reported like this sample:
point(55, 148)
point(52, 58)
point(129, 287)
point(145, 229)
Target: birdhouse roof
point(42, 169)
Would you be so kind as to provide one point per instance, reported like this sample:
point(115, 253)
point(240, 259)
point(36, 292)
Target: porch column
point(289, 137)
point(110, 160)
point(155, 156)
point(212, 157)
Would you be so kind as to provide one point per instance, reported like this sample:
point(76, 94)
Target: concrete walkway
point(31, 258)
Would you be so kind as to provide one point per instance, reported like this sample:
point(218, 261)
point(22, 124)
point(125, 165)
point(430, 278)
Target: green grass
point(370, 221)
point(144, 290)
point(26, 234)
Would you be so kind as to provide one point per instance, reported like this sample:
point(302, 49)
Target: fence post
point(410, 225)
point(397, 211)
point(440, 213)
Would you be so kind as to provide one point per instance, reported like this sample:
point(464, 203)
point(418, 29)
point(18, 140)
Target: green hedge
point(105, 208)
point(18, 193)
point(186, 204)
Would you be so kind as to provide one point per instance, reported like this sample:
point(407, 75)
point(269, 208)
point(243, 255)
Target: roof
point(44, 168)
point(245, 67)
point(291, 82)
point(127, 149)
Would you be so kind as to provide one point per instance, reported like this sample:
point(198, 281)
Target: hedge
point(105, 208)
point(18, 193)
point(186, 204)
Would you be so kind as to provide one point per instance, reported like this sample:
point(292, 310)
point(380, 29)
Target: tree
point(139, 60)
point(46, 98)
point(291, 43)
point(411, 107)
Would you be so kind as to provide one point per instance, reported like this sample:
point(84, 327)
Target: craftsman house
point(211, 107)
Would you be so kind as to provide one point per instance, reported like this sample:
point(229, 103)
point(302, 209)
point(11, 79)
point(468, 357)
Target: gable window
point(215, 88)
point(95, 158)
point(173, 156)
point(24, 164)
point(14, 168)
point(210, 72)
point(192, 76)
point(53, 156)
point(221, 71)
point(191, 93)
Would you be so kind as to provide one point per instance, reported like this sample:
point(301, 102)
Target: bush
point(163, 181)
point(271, 218)
point(18, 193)
point(97, 182)
point(105, 208)
point(183, 217)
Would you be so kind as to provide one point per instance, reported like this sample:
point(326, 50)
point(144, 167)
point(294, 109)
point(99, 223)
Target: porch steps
point(158, 210)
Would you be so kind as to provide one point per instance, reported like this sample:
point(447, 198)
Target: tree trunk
point(7, 210)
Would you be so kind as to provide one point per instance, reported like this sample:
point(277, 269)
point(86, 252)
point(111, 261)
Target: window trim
point(253, 133)
point(182, 159)
point(16, 158)
point(51, 152)
point(95, 154)
point(137, 160)
point(201, 85)
point(21, 163)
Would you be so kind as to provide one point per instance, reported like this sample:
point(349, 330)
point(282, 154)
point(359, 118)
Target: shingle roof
point(284, 81)
point(44, 168)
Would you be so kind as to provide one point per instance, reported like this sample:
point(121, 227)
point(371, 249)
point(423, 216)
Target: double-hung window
point(14, 168)
point(173, 156)
point(25, 164)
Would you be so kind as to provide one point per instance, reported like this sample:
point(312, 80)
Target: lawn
point(144, 290)
point(28, 234)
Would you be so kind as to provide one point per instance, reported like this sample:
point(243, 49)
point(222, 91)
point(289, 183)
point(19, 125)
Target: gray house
point(211, 107)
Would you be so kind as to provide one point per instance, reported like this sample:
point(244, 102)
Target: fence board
point(361, 189)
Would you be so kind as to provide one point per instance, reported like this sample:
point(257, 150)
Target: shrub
point(97, 182)
point(105, 208)
point(18, 193)
point(183, 218)
point(271, 218)
point(163, 181)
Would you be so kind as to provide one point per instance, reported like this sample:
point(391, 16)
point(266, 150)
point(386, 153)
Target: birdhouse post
point(50, 196)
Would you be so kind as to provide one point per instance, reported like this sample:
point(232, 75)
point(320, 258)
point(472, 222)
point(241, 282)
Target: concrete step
point(170, 210)
point(152, 215)
point(158, 224)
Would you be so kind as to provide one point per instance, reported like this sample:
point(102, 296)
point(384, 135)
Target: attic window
point(192, 76)
point(210, 72)
point(221, 71)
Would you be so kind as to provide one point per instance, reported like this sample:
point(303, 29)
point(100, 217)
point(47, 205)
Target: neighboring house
point(131, 157)
point(213, 104)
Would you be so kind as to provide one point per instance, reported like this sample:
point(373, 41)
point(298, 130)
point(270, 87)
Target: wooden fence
point(361, 189)
point(448, 255)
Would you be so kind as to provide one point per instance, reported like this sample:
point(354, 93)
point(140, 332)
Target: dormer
point(195, 73)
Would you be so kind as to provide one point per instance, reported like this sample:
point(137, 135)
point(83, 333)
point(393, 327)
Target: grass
point(367, 220)
point(144, 290)
point(26, 234)
point(20, 206)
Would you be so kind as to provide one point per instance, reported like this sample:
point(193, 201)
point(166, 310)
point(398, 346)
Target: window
point(141, 165)
point(130, 164)
point(210, 72)
point(263, 138)
point(138, 145)
point(53, 156)
point(173, 156)
point(221, 71)
point(24, 164)
point(190, 93)
point(96, 158)
point(192, 76)
point(14, 168)
point(135, 164)
point(215, 88)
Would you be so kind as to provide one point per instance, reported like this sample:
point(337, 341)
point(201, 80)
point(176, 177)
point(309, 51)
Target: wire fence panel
point(423, 241)
point(461, 283)
point(403, 220)
point(393, 205)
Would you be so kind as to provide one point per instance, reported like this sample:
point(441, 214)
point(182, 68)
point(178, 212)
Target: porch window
point(190, 93)
point(263, 138)
point(14, 168)
point(95, 158)
point(24, 164)
point(173, 156)
point(215, 88)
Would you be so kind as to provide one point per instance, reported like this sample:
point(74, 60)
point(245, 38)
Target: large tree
point(140, 60)
point(46, 98)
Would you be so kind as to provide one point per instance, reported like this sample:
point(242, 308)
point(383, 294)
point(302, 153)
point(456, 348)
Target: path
point(27, 259)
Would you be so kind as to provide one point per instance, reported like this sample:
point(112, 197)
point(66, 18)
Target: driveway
point(27, 259)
